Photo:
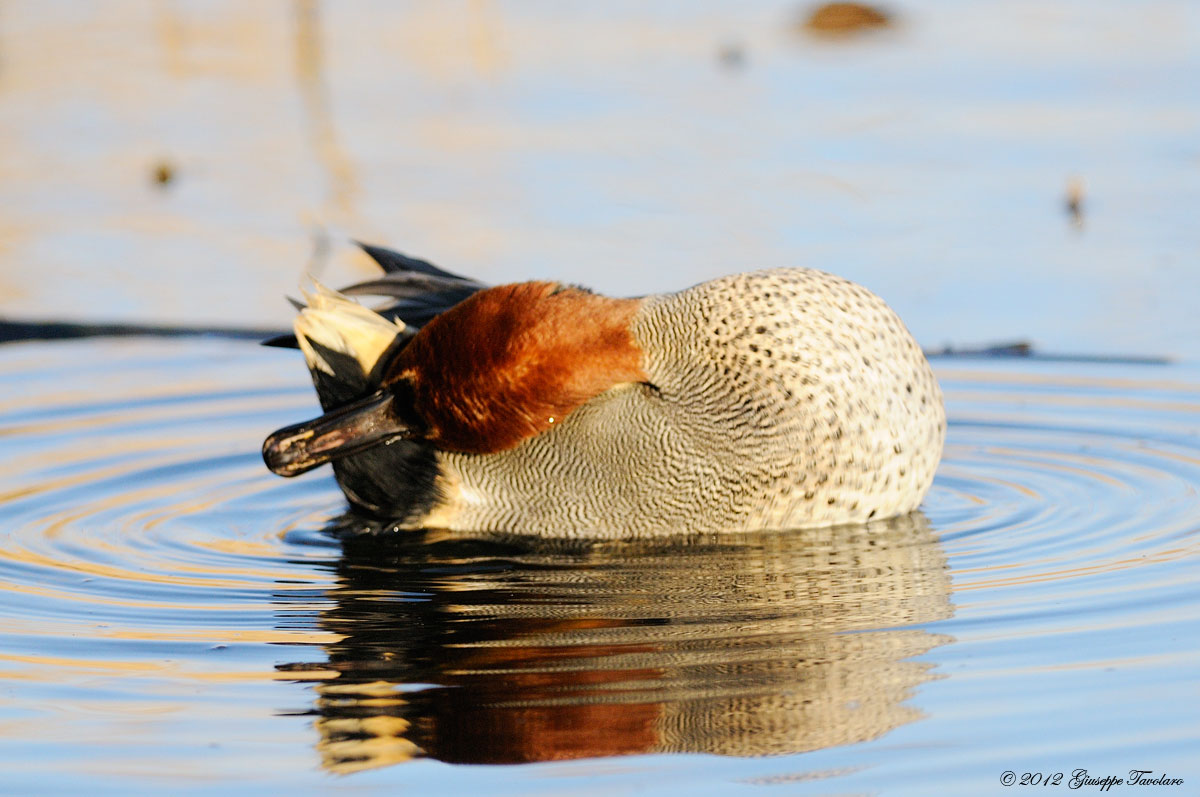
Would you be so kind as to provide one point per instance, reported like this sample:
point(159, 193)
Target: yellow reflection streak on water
point(71, 667)
point(1052, 461)
point(203, 393)
point(87, 598)
point(61, 457)
point(98, 569)
point(1042, 576)
point(69, 456)
point(215, 407)
point(1141, 446)
point(235, 546)
point(190, 634)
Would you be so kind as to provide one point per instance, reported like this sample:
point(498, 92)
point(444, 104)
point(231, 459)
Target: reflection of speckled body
point(780, 398)
point(750, 644)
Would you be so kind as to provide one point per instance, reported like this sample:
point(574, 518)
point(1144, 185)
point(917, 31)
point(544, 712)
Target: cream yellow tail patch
point(336, 322)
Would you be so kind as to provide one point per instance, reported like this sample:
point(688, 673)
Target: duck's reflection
point(753, 644)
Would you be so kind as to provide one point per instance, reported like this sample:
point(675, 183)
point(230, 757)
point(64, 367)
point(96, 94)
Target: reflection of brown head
point(538, 727)
point(731, 645)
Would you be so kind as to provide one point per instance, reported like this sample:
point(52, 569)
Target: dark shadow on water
point(509, 651)
point(14, 331)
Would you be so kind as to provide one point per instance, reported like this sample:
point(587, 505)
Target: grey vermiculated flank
point(778, 399)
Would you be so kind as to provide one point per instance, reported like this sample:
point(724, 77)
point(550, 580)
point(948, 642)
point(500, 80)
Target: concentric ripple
point(1050, 479)
point(169, 609)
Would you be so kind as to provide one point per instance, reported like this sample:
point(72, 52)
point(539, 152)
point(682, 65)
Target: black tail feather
point(401, 285)
point(281, 342)
point(392, 262)
point(419, 290)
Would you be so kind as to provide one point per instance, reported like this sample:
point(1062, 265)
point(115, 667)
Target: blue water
point(173, 614)
point(174, 619)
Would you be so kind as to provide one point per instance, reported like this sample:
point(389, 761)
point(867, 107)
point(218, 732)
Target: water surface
point(170, 613)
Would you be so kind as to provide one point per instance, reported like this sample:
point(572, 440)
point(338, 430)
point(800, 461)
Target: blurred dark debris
point(319, 255)
point(163, 173)
point(1018, 348)
point(1024, 350)
point(838, 20)
point(732, 56)
point(1073, 201)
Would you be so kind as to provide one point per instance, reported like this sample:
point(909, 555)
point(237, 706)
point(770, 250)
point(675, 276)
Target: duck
point(771, 399)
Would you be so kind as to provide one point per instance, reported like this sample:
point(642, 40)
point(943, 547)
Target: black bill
point(339, 433)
